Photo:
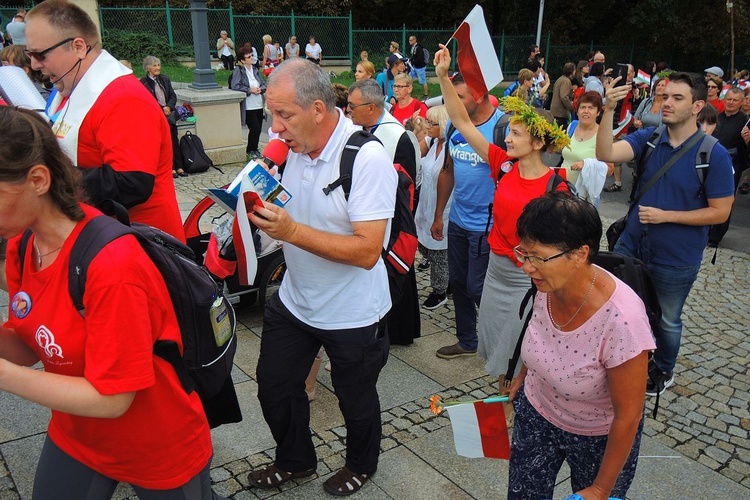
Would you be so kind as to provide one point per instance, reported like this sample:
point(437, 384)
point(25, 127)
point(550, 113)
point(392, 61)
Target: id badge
point(220, 321)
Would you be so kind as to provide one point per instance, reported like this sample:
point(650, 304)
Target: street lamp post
point(203, 76)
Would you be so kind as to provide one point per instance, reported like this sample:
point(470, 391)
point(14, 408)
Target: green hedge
point(134, 46)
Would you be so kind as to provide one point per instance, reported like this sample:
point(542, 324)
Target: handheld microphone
point(275, 153)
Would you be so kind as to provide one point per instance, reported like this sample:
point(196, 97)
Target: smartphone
point(621, 70)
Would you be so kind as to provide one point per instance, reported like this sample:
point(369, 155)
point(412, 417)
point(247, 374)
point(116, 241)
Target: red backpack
point(400, 252)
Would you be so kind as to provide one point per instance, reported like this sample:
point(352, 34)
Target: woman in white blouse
point(247, 79)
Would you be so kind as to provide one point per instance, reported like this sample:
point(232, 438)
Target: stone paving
point(698, 446)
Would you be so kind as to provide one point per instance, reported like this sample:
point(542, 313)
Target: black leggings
point(60, 476)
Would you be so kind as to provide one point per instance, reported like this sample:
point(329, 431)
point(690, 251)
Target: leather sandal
point(273, 477)
point(345, 483)
point(613, 187)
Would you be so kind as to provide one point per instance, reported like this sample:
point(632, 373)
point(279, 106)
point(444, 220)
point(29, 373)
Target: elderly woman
point(246, 78)
point(579, 396)
point(161, 88)
point(225, 50)
point(118, 413)
point(406, 106)
point(436, 251)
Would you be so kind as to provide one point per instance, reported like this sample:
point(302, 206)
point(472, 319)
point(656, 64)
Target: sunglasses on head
point(41, 55)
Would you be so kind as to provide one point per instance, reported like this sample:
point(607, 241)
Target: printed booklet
point(263, 187)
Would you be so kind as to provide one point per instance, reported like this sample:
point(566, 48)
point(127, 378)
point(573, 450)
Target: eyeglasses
point(431, 124)
point(401, 86)
point(355, 106)
point(40, 55)
point(535, 261)
point(712, 86)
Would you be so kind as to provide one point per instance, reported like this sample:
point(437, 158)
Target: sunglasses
point(41, 55)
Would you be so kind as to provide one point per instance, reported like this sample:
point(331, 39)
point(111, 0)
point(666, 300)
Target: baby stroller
point(271, 267)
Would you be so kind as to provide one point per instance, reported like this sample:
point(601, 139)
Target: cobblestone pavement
point(705, 416)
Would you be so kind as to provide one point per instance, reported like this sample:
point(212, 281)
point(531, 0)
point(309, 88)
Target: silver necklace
point(40, 256)
point(585, 299)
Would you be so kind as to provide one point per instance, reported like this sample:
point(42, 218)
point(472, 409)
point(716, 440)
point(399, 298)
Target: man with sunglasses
point(105, 119)
point(366, 108)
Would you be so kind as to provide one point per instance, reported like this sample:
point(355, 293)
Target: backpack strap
point(95, 235)
point(703, 157)
point(346, 162)
point(22, 246)
point(448, 133)
point(572, 127)
point(513, 362)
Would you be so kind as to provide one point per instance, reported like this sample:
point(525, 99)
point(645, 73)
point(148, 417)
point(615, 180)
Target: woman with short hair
point(714, 85)
point(579, 397)
point(161, 88)
point(406, 106)
point(246, 78)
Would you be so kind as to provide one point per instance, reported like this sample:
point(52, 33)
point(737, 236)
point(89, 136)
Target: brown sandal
point(273, 477)
point(345, 483)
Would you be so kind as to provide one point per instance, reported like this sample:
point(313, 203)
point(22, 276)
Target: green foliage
point(134, 46)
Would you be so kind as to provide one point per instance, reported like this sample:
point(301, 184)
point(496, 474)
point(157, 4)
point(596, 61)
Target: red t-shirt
point(718, 104)
point(163, 439)
point(403, 114)
point(511, 195)
point(126, 129)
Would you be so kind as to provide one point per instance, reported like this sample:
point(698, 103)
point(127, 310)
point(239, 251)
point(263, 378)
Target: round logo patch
point(21, 305)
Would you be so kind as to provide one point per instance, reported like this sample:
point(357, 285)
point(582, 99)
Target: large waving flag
point(477, 60)
point(480, 430)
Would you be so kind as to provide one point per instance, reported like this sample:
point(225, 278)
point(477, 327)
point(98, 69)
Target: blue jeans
point(672, 284)
point(468, 256)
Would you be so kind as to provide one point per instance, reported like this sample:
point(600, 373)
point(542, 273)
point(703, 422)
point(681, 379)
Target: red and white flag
point(242, 233)
point(477, 59)
point(479, 430)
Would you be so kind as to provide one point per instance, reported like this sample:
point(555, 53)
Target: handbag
point(616, 229)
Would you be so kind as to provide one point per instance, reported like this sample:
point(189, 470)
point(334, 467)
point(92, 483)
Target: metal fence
point(340, 40)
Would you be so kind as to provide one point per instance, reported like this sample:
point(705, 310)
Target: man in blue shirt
point(469, 178)
point(668, 230)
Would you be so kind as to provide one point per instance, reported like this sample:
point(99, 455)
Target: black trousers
point(287, 350)
point(176, 154)
point(228, 62)
point(254, 122)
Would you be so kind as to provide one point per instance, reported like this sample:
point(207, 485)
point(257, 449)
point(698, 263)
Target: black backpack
point(630, 271)
point(199, 304)
point(194, 157)
point(402, 243)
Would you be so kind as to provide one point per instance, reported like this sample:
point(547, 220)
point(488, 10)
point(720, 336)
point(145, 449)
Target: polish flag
point(242, 233)
point(477, 59)
point(479, 430)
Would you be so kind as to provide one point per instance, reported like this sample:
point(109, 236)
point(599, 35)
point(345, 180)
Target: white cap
point(715, 70)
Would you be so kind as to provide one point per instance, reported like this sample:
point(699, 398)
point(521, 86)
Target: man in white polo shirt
point(335, 291)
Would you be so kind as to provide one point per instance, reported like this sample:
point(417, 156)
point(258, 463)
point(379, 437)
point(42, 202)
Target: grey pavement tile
point(235, 441)
point(21, 456)
point(403, 474)
point(248, 349)
point(398, 383)
point(478, 477)
point(446, 372)
point(324, 410)
point(21, 418)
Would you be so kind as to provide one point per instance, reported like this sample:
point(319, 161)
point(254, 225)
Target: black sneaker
point(425, 264)
point(658, 381)
point(435, 300)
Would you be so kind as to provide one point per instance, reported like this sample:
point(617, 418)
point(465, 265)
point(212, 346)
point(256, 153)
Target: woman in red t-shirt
point(526, 178)
point(119, 414)
point(406, 106)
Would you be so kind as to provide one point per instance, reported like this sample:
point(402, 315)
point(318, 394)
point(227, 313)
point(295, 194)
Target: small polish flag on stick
point(480, 430)
point(477, 59)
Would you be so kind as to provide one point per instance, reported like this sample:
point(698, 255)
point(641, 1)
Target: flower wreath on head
point(551, 133)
